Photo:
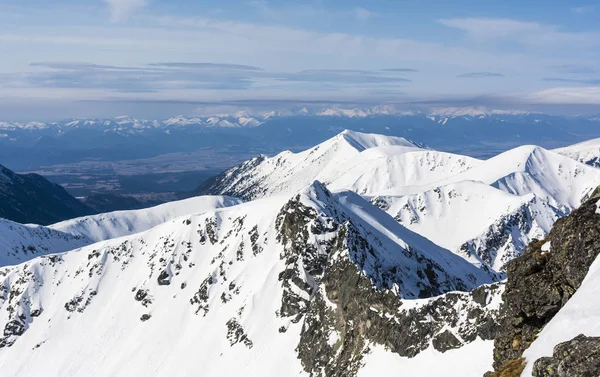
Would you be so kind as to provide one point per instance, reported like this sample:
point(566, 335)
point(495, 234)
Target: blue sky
point(79, 57)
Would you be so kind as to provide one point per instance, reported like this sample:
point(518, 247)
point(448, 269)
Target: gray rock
point(540, 283)
point(579, 357)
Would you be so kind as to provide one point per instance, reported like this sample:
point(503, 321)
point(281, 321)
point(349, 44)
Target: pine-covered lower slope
point(302, 284)
point(31, 198)
point(551, 298)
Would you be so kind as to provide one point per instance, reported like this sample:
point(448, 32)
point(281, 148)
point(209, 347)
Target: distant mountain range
point(475, 132)
point(249, 119)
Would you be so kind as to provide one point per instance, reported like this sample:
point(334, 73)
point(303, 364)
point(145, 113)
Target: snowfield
point(122, 223)
point(472, 360)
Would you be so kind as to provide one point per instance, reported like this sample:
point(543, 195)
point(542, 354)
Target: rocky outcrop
point(349, 315)
point(508, 236)
point(579, 357)
point(547, 275)
point(347, 297)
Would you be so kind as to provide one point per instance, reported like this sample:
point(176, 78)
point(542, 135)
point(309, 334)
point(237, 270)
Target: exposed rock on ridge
point(546, 276)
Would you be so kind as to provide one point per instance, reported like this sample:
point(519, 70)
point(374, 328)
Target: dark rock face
point(579, 357)
point(164, 278)
point(354, 313)
point(31, 198)
point(236, 334)
point(346, 299)
point(540, 283)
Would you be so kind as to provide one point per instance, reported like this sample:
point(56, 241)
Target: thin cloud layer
point(155, 77)
point(480, 75)
point(120, 10)
point(400, 70)
point(572, 80)
point(524, 32)
point(207, 66)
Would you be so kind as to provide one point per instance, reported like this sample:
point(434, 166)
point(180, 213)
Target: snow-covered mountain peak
point(362, 141)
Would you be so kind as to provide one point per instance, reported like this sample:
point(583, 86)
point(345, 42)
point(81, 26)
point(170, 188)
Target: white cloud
point(121, 9)
point(528, 33)
point(362, 14)
point(566, 96)
point(583, 10)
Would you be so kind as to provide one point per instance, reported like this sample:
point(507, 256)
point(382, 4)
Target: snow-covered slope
point(19, 243)
point(122, 223)
point(587, 152)
point(247, 290)
point(559, 180)
point(365, 163)
point(381, 171)
point(471, 360)
point(489, 213)
point(479, 222)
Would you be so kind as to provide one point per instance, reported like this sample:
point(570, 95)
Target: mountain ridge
point(31, 198)
point(252, 277)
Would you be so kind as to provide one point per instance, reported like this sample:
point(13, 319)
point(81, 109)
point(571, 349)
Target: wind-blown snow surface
point(203, 292)
point(580, 315)
point(122, 223)
point(486, 211)
point(471, 360)
point(19, 243)
point(587, 152)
